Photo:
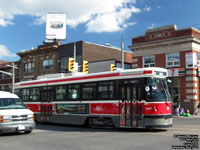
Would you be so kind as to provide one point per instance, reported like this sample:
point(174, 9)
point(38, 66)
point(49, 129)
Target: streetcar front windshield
point(157, 90)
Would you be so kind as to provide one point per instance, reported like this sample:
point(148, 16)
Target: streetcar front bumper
point(158, 121)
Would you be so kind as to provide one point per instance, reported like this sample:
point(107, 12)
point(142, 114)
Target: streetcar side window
point(17, 92)
point(30, 94)
point(34, 94)
point(89, 91)
point(60, 92)
point(25, 94)
point(47, 94)
point(74, 91)
point(106, 90)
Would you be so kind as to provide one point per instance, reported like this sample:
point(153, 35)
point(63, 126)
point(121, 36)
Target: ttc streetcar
point(135, 98)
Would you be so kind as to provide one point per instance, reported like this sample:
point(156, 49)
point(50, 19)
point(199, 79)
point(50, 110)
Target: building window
point(198, 59)
point(29, 67)
point(47, 64)
point(149, 61)
point(64, 63)
point(65, 60)
point(2, 76)
point(173, 59)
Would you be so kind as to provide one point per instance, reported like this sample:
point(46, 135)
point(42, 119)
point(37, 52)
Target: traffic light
point(112, 67)
point(71, 64)
point(85, 66)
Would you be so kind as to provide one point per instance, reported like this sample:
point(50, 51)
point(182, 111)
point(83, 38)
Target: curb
point(192, 116)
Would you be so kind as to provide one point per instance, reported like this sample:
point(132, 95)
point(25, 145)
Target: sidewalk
point(191, 116)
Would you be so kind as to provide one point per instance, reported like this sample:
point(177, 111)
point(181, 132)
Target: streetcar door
point(128, 106)
point(46, 97)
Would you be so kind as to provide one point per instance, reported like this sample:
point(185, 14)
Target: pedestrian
point(181, 110)
point(187, 113)
point(177, 111)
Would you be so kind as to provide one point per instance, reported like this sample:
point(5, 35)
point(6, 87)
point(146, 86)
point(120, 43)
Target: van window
point(11, 103)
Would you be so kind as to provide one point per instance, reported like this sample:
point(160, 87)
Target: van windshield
point(11, 103)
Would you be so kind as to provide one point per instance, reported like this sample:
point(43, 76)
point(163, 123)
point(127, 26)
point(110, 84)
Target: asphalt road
point(60, 137)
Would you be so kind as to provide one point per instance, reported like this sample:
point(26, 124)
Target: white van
point(14, 115)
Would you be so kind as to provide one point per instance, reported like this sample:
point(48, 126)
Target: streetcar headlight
point(155, 108)
point(167, 107)
point(5, 119)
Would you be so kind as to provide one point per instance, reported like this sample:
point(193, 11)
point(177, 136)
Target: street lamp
point(13, 66)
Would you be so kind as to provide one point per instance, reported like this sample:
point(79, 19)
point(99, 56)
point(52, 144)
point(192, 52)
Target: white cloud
point(128, 24)
point(4, 52)
point(152, 26)
point(147, 8)
point(112, 21)
point(158, 7)
point(98, 15)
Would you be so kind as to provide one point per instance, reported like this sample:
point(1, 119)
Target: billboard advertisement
point(56, 26)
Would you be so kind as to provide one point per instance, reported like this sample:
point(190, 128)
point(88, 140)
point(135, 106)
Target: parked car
point(14, 115)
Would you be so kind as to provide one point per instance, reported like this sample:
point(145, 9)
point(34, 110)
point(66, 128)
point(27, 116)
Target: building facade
point(53, 58)
point(179, 52)
point(6, 80)
point(98, 56)
point(40, 61)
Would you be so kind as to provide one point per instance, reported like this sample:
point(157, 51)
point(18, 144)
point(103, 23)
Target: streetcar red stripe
point(84, 78)
point(72, 79)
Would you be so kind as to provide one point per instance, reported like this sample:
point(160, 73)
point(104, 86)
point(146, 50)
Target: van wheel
point(27, 132)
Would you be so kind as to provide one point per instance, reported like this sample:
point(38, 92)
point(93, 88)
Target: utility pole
point(74, 51)
point(13, 78)
point(122, 52)
point(75, 63)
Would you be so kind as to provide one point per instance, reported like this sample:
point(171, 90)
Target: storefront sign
point(198, 72)
point(176, 72)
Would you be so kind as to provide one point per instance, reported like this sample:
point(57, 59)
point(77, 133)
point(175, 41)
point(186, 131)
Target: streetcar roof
point(80, 77)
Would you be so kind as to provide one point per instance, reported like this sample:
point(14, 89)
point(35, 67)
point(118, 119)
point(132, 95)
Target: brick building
point(40, 61)
point(179, 52)
point(53, 58)
point(6, 80)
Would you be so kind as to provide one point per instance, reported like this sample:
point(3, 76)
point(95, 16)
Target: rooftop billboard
point(56, 26)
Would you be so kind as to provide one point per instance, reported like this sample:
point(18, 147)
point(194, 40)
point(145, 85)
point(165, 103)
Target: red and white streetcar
point(137, 98)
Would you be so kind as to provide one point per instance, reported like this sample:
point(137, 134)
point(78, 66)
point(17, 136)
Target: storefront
point(175, 77)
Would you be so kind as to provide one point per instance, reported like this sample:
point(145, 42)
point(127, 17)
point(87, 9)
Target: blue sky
point(23, 23)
